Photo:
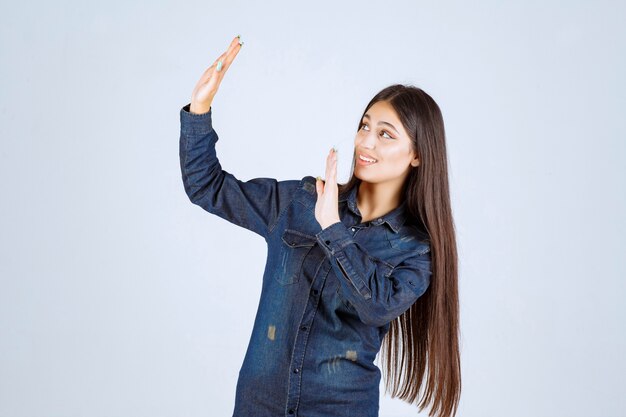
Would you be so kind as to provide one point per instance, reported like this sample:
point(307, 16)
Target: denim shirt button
point(291, 411)
point(315, 292)
point(353, 229)
point(303, 328)
point(328, 242)
point(295, 371)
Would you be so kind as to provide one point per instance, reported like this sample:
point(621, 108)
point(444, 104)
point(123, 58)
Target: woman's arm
point(255, 204)
point(378, 292)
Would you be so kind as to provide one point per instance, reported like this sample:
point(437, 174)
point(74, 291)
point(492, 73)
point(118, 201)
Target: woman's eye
point(383, 131)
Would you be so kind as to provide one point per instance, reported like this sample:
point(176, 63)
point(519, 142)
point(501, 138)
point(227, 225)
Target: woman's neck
point(376, 200)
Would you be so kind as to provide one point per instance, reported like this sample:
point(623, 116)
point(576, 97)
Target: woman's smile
point(364, 161)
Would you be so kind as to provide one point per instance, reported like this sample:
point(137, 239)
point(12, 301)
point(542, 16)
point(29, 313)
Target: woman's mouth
point(364, 160)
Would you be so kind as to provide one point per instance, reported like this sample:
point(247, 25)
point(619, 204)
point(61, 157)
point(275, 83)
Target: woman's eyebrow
point(383, 123)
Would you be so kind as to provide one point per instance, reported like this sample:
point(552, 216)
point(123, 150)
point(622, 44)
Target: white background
point(118, 297)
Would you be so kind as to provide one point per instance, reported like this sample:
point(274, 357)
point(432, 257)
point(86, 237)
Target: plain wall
point(118, 297)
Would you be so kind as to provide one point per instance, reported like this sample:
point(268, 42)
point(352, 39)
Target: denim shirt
point(328, 295)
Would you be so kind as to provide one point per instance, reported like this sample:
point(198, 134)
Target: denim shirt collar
point(395, 218)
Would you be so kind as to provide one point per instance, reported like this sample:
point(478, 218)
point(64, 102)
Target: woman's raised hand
point(207, 86)
point(327, 206)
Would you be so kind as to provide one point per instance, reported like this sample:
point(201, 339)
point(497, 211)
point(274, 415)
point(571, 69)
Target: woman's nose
point(368, 141)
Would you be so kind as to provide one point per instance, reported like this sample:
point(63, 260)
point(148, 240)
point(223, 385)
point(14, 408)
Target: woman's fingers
point(327, 171)
point(231, 53)
point(336, 159)
point(331, 168)
point(224, 58)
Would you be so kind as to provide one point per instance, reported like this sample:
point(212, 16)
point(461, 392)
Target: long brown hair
point(421, 349)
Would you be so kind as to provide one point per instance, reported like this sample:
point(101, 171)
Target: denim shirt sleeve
point(377, 295)
point(255, 204)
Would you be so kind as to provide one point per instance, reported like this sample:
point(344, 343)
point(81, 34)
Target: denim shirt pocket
point(295, 247)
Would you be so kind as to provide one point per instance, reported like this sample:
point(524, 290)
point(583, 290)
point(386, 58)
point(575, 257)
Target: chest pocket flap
point(294, 238)
point(296, 245)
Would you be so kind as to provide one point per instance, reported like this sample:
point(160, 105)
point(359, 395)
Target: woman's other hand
point(207, 86)
point(327, 205)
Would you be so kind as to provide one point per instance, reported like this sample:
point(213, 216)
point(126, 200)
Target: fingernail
point(318, 178)
point(335, 149)
point(219, 66)
point(239, 36)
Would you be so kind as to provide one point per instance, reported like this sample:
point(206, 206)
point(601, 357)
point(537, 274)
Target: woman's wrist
point(198, 109)
point(330, 222)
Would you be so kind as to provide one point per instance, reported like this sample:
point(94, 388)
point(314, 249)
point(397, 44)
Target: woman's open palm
point(326, 206)
point(207, 86)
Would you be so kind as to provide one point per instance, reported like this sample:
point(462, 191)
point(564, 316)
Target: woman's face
point(381, 136)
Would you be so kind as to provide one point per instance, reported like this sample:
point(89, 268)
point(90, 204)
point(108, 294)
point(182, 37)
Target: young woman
point(351, 268)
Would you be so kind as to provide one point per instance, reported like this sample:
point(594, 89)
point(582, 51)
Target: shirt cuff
point(198, 124)
point(334, 237)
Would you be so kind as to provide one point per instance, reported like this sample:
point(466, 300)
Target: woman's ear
point(415, 161)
